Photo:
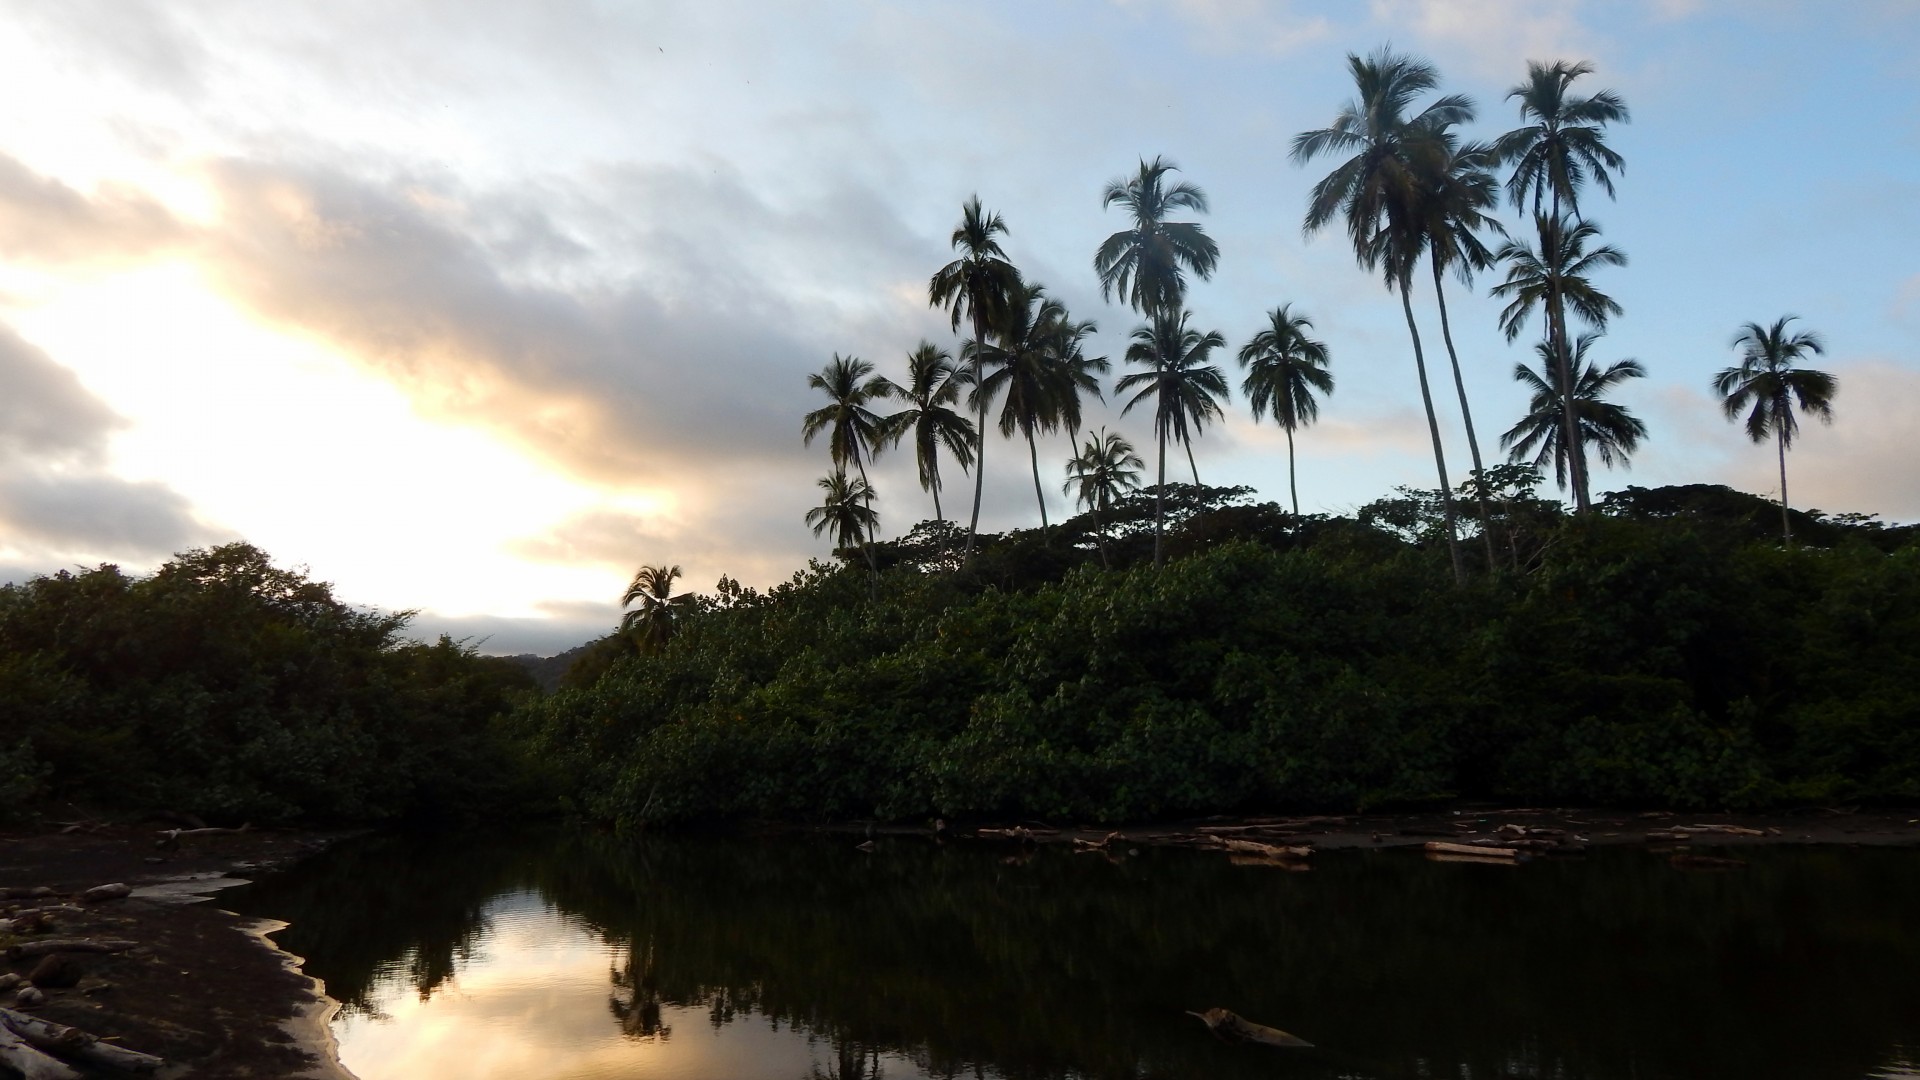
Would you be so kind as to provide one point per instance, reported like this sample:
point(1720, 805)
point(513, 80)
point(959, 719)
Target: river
point(567, 956)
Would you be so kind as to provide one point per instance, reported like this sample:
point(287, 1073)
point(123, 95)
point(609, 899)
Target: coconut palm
point(1609, 430)
point(932, 387)
point(854, 431)
point(1455, 193)
point(1105, 469)
point(1560, 145)
point(1147, 264)
point(1186, 392)
point(1554, 276)
point(651, 625)
point(1285, 368)
point(982, 285)
point(1767, 382)
point(847, 509)
point(1562, 141)
point(1030, 376)
point(1376, 189)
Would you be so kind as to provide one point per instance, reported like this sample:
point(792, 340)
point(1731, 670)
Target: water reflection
point(576, 956)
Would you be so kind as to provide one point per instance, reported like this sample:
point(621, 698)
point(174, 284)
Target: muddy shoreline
point(208, 990)
point(203, 988)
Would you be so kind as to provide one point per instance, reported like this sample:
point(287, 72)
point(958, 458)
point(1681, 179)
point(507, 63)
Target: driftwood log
point(1228, 1025)
point(119, 890)
point(1478, 851)
point(75, 1045)
point(19, 1056)
point(28, 949)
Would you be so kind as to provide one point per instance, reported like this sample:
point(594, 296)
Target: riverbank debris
point(1083, 845)
point(49, 1041)
point(1229, 1026)
point(1668, 836)
point(1686, 860)
point(1442, 851)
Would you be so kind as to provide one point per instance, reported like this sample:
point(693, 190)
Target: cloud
point(1250, 25)
point(56, 496)
point(1493, 37)
point(45, 221)
point(646, 327)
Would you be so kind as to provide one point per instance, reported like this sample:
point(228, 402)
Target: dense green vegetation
point(1665, 650)
point(223, 687)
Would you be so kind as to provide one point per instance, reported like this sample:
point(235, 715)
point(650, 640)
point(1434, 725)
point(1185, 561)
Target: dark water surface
point(687, 958)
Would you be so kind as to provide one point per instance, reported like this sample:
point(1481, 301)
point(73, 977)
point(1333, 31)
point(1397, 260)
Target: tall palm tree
point(931, 388)
point(1186, 391)
point(983, 285)
point(1105, 469)
point(651, 625)
point(1554, 276)
point(1610, 430)
point(1560, 144)
point(854, 431)
point(1147, 264)
point(1768, 381)
point(847, 509)
point(1029, 375)
point(1376, 189)
point(1285, 368)
point(1455, 193)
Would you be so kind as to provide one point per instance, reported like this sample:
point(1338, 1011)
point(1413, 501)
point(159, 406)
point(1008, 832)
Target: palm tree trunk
point(933, 474)
point(1160, 500)
point(1293, 482)
point(1466, 416)
point(1033, 455)
point(1786, 522)
point(1100, 535)
point(873, 560)
point(980, 434)
point(1433, 428)
point(1191, 465)
point(1570, 421)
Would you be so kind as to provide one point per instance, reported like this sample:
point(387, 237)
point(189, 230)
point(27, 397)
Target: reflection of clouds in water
point(530, 1001)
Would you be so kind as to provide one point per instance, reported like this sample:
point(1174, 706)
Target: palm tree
point(1555, 277)
point(1767, 382)
point(932, 386)
point(983, 285)
point(1147, 264)
point(1455, 192)
point(1042, 370)
point(1376, 190)
point(847, 509)
point(1610, 430)
point(1561, 143)
point(1285, 368)
point(1186, 392)
point(1105, 469)
point(651, 625)
point(854, 431)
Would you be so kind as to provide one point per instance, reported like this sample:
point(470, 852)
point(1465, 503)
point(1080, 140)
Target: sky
point(472, 308)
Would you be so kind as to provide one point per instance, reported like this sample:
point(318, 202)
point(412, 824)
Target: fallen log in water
point(75, 1045)
point(1264, 851)
point(1228, 1025)
point(1441, 847)
point(1724, 830)
point(1292, 865)
point(1480, 860)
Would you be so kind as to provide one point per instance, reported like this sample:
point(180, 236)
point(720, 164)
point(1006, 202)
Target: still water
point(577, 957)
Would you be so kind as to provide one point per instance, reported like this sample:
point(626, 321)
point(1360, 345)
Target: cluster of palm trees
point(1407, 186)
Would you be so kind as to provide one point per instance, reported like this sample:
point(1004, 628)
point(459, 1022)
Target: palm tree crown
point(1766, 384)
point(932, 387)
point(651, 624)
point(1285, 369)
point(1562, 143)
point(854, 431)
point(1104, 469)
point(1147, 263)
point(846, 508)
point(1611, 430)
point(1556, 273)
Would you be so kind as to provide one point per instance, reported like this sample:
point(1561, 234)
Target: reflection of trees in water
point(1068, 966)
point(635, 1000)
point(851, 1061)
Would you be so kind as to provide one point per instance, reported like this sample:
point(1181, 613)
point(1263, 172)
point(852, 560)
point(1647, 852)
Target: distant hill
point(549, 670)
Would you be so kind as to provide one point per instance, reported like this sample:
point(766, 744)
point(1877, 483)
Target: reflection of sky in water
point(530, 1003)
